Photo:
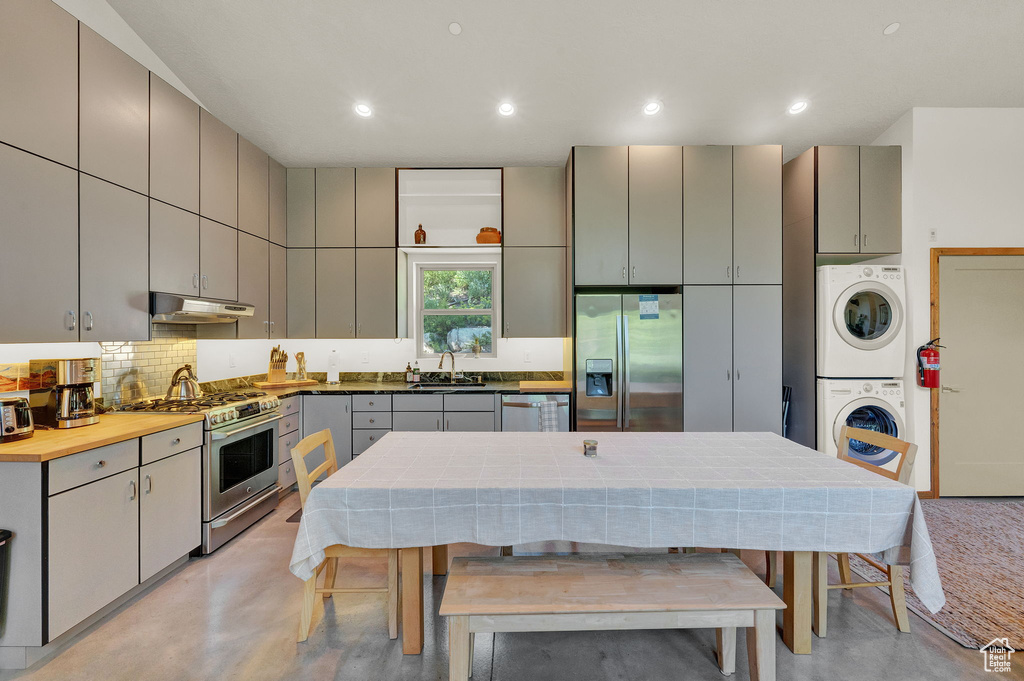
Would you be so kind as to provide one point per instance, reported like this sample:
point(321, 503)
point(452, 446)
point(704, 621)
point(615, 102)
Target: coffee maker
point(62, 395)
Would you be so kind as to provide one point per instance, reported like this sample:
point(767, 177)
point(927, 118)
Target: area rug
point(979, 547)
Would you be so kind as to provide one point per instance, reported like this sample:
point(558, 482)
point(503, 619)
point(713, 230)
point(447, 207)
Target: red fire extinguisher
point(928, 364)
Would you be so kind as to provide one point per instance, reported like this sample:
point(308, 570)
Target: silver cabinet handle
point(359, 328)
point(737, 272)
point(287, 443)
point(865, 239)
point(728, 272)
point(271, 327)
point(371, 420)
point(634, 271)
point(623, 271)
point(438, 424)
point(947, 389)
point(506, 326)
point(346, 408)
point(135, 491)
point(176, 441)
point(266, 327)
point(350, 327)
point(728, 375)
point(206, 282)
point(288, 469)
point(447, 424)
point(737, 374)
point(371, 438)
point(101, 463)
point(195, 281)
point(856, 240)
point(88, 320)
point(73, 324)
point(618, 393)
point(371, 404)
point(149, 484)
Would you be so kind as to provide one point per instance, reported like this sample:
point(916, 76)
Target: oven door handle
point(223, 434)
point(221, 522)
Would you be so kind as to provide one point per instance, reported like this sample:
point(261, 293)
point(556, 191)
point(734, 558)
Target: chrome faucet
point(440, 365)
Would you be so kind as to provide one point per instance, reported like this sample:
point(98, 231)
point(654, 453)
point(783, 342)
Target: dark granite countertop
point(387, 388)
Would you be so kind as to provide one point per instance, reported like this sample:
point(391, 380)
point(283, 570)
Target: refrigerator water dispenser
point(599, 378)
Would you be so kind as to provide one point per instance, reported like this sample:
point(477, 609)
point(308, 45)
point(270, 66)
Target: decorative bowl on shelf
point(488, 235)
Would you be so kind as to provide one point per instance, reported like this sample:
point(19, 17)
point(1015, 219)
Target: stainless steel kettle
point(184, 387)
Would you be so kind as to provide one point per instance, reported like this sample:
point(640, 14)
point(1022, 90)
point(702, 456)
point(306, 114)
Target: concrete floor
point(234, 614)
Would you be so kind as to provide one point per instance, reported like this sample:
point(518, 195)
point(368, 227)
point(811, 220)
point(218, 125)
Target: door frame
point(937, 253)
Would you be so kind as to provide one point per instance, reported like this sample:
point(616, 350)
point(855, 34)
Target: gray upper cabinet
point(253, 189)
point(757, 214)
point(301, 207)
point(174, 146)
point(838, 199)
point(173, 250)
point(39, 276)
point(881, 204)
point(601, 214)
point(655, 215)
point(278, 204)
point(115, 291)
point(39, 72)
point(757, 359)
point(114, 113)
point(707, 215)
point(335, 207)
point(376, 293)
point(218, 170)
point(376, 206)
point(218, 260)
point(335, 293)
point(533, 294)
point(707, 358)
point(533, 205)
point(278, 291)
point(254, 285)
point(301, 308)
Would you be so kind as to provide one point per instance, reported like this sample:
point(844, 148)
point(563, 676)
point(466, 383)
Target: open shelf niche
point(452, 206)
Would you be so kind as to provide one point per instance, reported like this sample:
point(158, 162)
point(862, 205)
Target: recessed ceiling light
point(506, 109)
point(891, 28)
point(455, 28)
point(797, 107)
point(363, 110)
point(652, 107)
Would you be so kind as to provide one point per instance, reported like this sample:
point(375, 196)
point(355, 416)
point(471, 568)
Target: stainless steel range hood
point(171, 309)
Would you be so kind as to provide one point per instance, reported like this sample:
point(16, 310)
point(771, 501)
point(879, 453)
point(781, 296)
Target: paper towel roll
point(333, 362)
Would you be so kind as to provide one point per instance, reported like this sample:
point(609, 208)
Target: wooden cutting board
point(284, 384)
point(545, 386)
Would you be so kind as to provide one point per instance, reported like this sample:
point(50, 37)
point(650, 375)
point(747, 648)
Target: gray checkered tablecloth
point(735, 490)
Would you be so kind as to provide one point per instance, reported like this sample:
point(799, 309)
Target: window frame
point(421, 312)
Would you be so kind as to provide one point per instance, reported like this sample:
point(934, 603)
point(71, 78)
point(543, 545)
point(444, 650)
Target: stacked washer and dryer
point(861, 356)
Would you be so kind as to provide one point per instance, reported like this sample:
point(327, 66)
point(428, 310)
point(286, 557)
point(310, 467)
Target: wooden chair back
point(906, 450)
point(306, 446)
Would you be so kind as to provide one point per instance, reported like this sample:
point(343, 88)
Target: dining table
point(736, 490)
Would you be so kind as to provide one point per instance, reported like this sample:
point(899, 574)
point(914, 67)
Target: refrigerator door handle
point(619, 354)
point(625, 364)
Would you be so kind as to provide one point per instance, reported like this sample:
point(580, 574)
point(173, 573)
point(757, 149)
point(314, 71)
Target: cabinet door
point(376, 293)
point(113, 113)
point(533, 292)
point(757, 358)
point(533, 206)
point(376, 205)
point(335, 207)
point(218, 260)
point(94, 548)
point(173, 250)
point(278, 204)
point(253, 189)
point(335, 293)
point(218, 170)
point(656, 215)
point(173, 146)
point(707, 215)
point(301, 200)
point(115, 292)
point(39, 230)
point(278, 291)
point(469, 421)
point(837, 181)
point(364, 439)
point(170, 514)
point(301, 293)
point(881, 199)
point(707, 358)
point(757, 214)
point(331, 412)
point(39, 72)
point(254, 285)
point(600, 214)
point(417, 421)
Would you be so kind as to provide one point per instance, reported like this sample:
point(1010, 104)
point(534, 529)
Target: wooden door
point(376, 207)
point(170, 513)
point(837, 182)
point(278, 291)
point(173, 250)
point(707, 358)
point(707, 215)
point(601, 215)
point(335, 293)
point(173, 146)
point(980, 322)
point(254, 285)
point(376, 292)
point(218, 260)
point(301, 207)
point(335, 207)
point(533, 206)
point(533, 292)
point(301, 305)
point(656, 215)
point(881, 199)
point(278, 204)
point(757, 358)
point(218, 170)
point(253, 189)
point(757, 214)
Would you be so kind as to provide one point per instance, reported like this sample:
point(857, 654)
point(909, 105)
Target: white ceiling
point(286, 74)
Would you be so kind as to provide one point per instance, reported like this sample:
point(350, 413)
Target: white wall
point(963, 176)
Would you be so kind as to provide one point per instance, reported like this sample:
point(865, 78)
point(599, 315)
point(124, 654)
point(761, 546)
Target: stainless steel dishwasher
point(522, 413)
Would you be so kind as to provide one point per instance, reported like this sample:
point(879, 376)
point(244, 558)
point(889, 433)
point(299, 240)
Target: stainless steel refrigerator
point(629, 362)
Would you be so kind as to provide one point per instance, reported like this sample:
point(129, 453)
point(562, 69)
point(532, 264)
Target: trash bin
point(5, 542)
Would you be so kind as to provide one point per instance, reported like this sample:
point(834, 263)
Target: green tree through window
point(457, 310)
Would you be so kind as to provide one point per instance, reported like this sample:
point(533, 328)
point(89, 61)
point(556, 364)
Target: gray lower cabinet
point(655, 215)
point(533, 206)
point(331, 412)
point(301, 207)
point(365, 438)
point(218, 260)
point(254, 285)
point(39, 276)
point(278, 291)
point(173, 146)
point(253, 189)
point(837, 178)
point(278, 204)
point(335, 293)
point(417, 421)
point(881, 199)
point(707, 358)
point(218, 170)
point(301, 309)
point(376, 206)
point(93, 548)
point(707, 215)
point(601, 214)
point(170, 513)
point(376, 292)
point(757, 358)
point(173, 250)
point(469, 421)
point(757, 214)
point(335, 207)
point(533, 292)
point(115, 293)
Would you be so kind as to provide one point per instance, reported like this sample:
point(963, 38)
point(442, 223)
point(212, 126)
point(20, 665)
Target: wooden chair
point(312, 607)
point(894, 573)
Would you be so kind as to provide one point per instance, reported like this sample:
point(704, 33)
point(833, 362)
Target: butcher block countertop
point(545, 386)
point(46, 445)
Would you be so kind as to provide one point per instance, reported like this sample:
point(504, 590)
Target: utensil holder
point(276, 372)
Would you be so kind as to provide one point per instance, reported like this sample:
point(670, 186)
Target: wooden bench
point(611, 591)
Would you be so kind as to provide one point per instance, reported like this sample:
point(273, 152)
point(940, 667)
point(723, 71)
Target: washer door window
point(868, 315)
point(869, 414)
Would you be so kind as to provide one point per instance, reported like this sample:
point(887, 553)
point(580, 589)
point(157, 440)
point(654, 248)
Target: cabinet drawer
point(285, 444)
point(371, 419)
point(364, 439)
point(288, 424)
point(286, 475)
point(418, 402)
point(469, 402)
point(290, 405)
point(371, 403)
point(79, 469)
point(167, 442)
point(469, 421)
point(416, 420)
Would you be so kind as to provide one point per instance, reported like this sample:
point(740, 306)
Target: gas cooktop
point(194, 405)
